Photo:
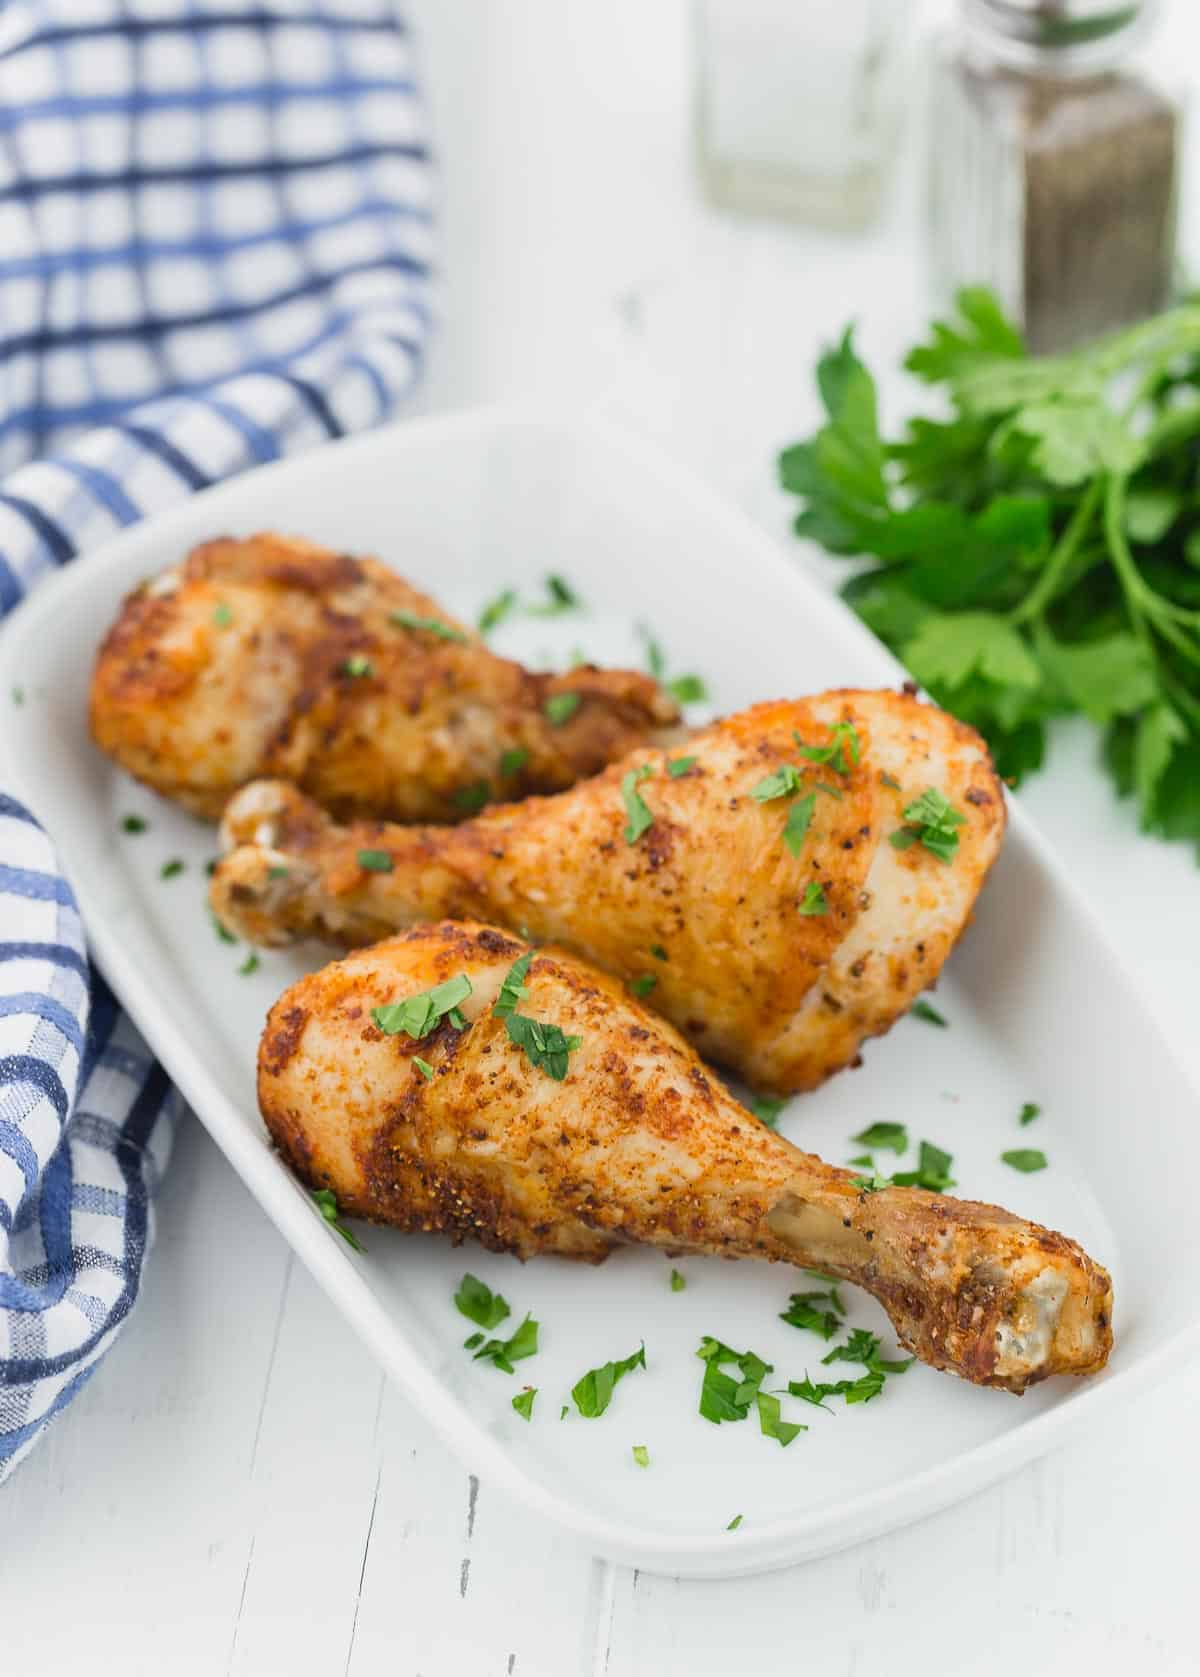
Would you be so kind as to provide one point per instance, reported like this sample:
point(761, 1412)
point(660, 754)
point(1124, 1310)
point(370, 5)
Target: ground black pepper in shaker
point(1055, 159)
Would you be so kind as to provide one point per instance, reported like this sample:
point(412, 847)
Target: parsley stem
point(1128, 575)
point(1063, 551)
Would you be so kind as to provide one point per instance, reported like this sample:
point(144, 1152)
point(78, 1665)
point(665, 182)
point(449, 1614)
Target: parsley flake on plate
point(417, 1015)
point(687, 689)
point(677, 1282)
point(477, 1302)
point(171, 869)
point(932, 1172)
point(863, 1347)
point(894, 1136)
point(641, 817)
point(1025, 1159)
point(497, 610)
point(560, 708)
point(523, 1402)
point(921, 1009)
point(133, 824)
point(641, 1455)
point(431, 625)
point(503, 1353)
point(593, 1392)
point(819, 1313)
point(376, 861)
point(862, 1161)
point(223, 932)
point(326, 1203)
point(734, 1523)
point(1029, 1112)
point(770, 1420)
point(930, 820)
point(722, 1398)
point(560, 598)
point(250, 965)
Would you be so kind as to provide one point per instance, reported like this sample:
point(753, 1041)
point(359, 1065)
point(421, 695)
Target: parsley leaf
point(722, 1398)
point(376, 861)
point(783, 782)
point(930, 820)
point(592, 1394)
point(687, 689)
point(497, 610)
point(641, 1455)
point(477, 1302)
point(795, 828)
point(1025, 1159)
point(523, 1402)
point(813, 901)
point(819, 1313)
point(560, 598)
point(326, 1203)
point(643, 984)
point(171, 869)
point(560, 708)
point(512, 990)
point(249, 965)
point(677, 1282)
point(358, 665)
point(424, 1067)
point(545, 1045)
point(222, 614)
point(431, 625)
point(921, 1009)
point(503, 1353)
point(513, 761)
point(894, 1136)
point(473, 797)
point(766, 1108)
point(734, 1523)
point(932, 1172)
point(677, 766)
point(417, 1015)
point(1029, 1112)
point(641, 818)
point(770, 1421)
point(133, 824)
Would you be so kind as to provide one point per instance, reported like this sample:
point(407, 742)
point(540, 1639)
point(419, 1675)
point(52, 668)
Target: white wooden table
point(238, 1490)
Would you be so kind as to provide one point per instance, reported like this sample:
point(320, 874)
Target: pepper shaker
point(1054, 164)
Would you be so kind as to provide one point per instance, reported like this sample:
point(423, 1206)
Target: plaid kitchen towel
point(214, 249)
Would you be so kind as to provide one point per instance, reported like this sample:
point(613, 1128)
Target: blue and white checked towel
point(214, 249)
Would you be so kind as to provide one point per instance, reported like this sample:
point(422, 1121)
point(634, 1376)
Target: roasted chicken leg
point(275, 657)
point(777, 932)
point(613, 1131)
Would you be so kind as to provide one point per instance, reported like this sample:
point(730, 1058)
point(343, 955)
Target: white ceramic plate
point(1039, 1010)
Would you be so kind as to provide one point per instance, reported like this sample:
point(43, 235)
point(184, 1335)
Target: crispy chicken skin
point(241, 662)
point(638, 1143)
point(707, 902)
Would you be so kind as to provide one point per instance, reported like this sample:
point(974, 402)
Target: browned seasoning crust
point(240, 662)
point(783, 997)
point(638, 1143)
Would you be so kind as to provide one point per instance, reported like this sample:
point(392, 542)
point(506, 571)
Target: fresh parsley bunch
point(1037, 552)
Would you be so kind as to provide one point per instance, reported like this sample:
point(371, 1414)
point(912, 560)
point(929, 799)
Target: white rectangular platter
point(1038, 1008)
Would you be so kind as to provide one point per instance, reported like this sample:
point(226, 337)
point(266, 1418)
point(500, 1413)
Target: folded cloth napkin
point(214, 249)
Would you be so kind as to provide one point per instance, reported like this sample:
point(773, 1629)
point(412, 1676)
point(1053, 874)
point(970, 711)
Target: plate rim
point(785, 1539)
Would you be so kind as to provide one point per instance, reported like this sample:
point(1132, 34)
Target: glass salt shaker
point(1056, 141)
point(798, 104)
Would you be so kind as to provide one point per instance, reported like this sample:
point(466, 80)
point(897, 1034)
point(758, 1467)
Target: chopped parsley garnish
point(862, 1390)
point(472, 798)
point(477, 1302)
point(722, 1398)
point(133, 824)
point(523, 1402)
point(872, 1184)
point(250, 965)
point(424, 1067)
point(222, 615)
point(894, 1136)
point(560, 708)
point(564, 1411)
point(171, 869)
point(641, 1455)
point(843, 750)
point(863, 1161)
point(677, 1282)
point(560, 597)
point(593, 1393)
point(1025, 1159)
point(358, 664)
point(819, 1313)
point(513, 761)
point(223, 932)
point(932, 1172)
point(641, 818)
point(933, 821)
point(545, 1045)
point(1029, 1112)
point(784, 782)
point(642, 985)
point(472, 1340)
point(497, 610)
point(503, 1353)
point(813, 901)
point(771, 1423)
point(417, 1015)
point(734, 1523)
point(677, 766)
point(657, 950)
point(433, 625)
point(376, 861)
point(796, 826)
point(272, 873)
point(326, 1203)
point(513, 991)
point(687, 689)
point(766, 1108)
point(863, 1347)
point(925, 1010)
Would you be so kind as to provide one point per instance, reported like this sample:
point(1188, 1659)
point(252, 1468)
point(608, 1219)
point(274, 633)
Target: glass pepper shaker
point(797, 105)
point(1055, 150)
